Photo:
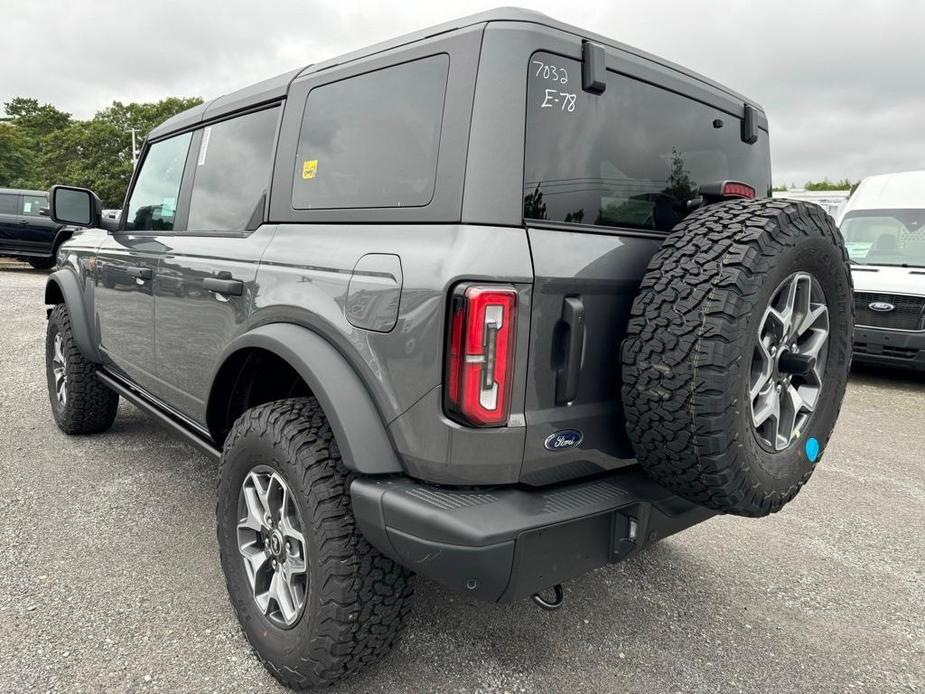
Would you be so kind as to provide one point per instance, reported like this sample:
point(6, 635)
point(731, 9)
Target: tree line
point(41, 145)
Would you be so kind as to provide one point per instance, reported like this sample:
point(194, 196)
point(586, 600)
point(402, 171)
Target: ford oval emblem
point(567, 438)
point(881, 306)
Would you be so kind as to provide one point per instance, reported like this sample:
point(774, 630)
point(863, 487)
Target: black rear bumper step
point(503, 544)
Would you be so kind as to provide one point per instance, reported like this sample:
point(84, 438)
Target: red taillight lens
point(480, 354)
point(731, 189)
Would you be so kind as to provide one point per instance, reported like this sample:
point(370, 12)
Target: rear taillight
point(480, 354)
point(732, 189)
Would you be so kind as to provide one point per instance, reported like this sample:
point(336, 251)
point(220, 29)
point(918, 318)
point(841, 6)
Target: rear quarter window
point(631, 157)
point(372, 140)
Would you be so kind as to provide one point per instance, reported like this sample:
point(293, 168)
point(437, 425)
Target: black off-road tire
point(688, 352)
point(42, 263)
point(357, 599)
point(90, 406)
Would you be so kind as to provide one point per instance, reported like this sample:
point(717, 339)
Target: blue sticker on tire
point(812, 449)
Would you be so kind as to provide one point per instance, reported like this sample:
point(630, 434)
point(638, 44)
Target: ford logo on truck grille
point(567, 438)
point(881, 306)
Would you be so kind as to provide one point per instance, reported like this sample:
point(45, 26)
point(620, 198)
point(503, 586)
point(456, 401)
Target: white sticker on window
point(27, 207)
point(204, 147)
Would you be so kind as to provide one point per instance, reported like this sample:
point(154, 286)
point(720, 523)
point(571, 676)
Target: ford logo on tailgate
point(567, 438)
point(881, 306)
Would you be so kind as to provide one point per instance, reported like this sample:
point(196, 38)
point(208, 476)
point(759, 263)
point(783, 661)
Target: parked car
point(884, 229)
point(26, 232)
point(389, 293)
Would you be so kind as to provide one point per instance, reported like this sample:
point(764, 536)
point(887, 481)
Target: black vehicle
point(498, 303)
point(26, 231)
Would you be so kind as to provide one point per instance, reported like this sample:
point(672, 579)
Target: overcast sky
point(842, 82)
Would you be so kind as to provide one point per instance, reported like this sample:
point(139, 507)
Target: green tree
point(14, 164)
point(826, 184)
point(41, 145)
point(35, 120)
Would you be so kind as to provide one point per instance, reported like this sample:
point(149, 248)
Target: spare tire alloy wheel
point(272, 546)
point(789, 361)
point(737, 353)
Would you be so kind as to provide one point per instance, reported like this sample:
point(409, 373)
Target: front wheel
point(42, 263)
point(80, 402)
point(315, 600)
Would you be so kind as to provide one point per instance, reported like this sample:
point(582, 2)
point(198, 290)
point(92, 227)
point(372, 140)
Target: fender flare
point(361, 436)
point(62, 284)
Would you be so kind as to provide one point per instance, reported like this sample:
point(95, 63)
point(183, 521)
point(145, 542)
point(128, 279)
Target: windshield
point(885, 237)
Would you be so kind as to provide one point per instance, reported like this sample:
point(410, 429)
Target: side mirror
point(76, 206)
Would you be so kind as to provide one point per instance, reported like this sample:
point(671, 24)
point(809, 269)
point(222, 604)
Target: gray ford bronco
point(497, 303)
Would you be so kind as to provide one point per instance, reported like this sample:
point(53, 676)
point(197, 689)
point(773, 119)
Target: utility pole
point(134, 147)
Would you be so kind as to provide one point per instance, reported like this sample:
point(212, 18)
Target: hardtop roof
point(276, 88)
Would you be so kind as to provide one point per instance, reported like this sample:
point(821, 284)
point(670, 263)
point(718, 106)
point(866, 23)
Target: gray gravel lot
point(110, 580)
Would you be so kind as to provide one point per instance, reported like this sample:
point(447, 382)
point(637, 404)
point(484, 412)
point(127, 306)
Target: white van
point(884, 229)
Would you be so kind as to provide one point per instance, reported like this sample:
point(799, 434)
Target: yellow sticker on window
point(309, 168)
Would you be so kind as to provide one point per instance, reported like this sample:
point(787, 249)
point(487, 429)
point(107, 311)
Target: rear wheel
point(316, 601)
point(737, 353)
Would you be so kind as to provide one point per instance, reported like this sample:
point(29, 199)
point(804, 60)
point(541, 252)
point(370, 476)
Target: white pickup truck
point(884, 229)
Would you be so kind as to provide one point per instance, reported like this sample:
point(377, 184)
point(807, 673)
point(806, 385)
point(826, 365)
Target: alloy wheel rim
point(788, 362)
point(59, 370)
point(272, 546)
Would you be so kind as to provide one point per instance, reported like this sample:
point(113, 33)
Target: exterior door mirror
point(76, 206)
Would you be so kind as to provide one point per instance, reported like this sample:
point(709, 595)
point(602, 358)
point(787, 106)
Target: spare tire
point(737, 353)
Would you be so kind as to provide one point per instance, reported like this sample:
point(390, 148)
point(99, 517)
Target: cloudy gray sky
point(842, 82)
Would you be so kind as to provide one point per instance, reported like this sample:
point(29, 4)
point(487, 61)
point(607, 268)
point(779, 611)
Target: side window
point(232, 172)
point(372, 140)
point(9, 203)
point(33, 204)
point(153, 205)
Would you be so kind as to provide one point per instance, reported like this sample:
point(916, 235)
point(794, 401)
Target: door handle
point(142, 273)
point(569, 370)
point(223, 285)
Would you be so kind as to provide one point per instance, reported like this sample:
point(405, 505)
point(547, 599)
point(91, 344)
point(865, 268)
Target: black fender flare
point(62, 287)
point(361, 436)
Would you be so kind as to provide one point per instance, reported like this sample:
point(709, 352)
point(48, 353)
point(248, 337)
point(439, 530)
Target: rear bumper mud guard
point(507, 543)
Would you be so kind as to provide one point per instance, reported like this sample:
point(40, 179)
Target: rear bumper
point(507, 543)
point(889, 348)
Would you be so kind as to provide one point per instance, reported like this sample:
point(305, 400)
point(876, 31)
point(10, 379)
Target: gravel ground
point(110, 580)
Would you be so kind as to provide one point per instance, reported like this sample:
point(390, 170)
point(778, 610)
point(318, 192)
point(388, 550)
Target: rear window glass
point(32, 205)
point(9, 204)
point(372, 140)
point(631, 157)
